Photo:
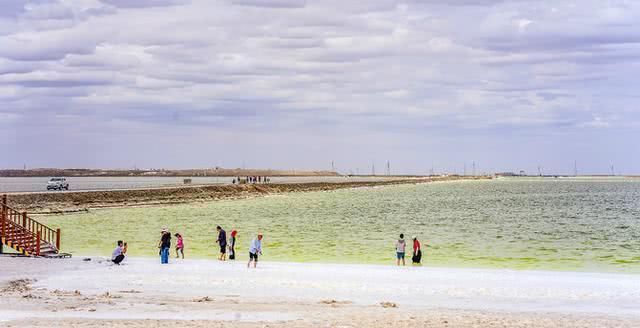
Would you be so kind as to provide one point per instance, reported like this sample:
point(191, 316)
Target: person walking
point(255, 249)
point(119, 252)
point(179, 246)
point(164, 245)
point(222, 242)
point(417, 251)
point(232, 245)
point(400, 249)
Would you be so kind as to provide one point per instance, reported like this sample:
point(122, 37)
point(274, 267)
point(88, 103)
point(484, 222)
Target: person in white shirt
point(118, 253)
point(400, 249)
point(254, 249)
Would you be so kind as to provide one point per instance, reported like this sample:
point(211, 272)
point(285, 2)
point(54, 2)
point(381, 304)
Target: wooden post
point(24, 219)
point(3, 218)
point(2, 228)
point(38, 243)
point(58, 239)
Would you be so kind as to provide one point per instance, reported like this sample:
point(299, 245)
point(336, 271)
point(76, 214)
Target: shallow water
point(555, 224)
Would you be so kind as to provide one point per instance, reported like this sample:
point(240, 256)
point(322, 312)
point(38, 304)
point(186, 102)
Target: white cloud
point(382, 66)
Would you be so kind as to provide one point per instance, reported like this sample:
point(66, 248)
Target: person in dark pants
point(255, 249)
point(232, 245)
point(417, 251)
point(222, 242)
point(164, 245)
point(118, 254)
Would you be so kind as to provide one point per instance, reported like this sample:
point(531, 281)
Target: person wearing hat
point(417, 252)
point(254, 249)
point(164, 245)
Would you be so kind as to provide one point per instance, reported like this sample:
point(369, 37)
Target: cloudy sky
point(509, 85)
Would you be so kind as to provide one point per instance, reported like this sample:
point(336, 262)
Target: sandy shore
point(60, 202)
point(201, 293)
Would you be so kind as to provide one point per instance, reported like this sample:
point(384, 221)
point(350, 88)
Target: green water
point(557, 224)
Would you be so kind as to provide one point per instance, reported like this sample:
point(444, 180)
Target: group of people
point(164, 245)
point(255, 248)
point(401, 246)
point(252, 179)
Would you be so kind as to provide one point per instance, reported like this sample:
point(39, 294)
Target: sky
point(499, 85)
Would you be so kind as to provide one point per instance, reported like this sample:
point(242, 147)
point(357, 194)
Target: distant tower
point(613, 172)
point(575, 168)
point(333, 167)
point(388, 168)
point(539, 170)
point(473, 170)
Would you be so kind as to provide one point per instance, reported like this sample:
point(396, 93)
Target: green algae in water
point(561, 224)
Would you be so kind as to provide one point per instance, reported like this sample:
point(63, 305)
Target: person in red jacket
point(417, 252)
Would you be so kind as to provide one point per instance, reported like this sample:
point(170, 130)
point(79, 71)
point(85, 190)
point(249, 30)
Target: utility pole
point(464, 170)
point(388, 168)
point(539, 170)
point(373, 169)
point(613, 172)
point(575, 168)
point(474, 168)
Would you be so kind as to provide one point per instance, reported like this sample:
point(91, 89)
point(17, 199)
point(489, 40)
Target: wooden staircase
point(26, 235)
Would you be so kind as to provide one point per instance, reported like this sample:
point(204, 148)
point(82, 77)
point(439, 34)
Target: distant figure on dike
point(232, 245)
point(222, 242)
point(417, 252)
point(179, 246)
point(164, 245)
point(118, 253)
point(255, 249)
point(401, 245)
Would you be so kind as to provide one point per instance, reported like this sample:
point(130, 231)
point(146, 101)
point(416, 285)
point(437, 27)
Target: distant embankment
point(60, 202)
point(211, 172)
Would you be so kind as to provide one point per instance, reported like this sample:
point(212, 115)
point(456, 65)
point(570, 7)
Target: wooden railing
point(39, 231)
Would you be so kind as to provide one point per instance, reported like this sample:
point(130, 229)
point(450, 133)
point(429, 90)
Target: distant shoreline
point(64, 202)
point(205, 172)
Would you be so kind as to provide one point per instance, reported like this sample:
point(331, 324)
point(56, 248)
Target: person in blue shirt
point(254, 249)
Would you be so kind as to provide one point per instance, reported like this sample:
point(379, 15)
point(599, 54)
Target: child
point(179, 246)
